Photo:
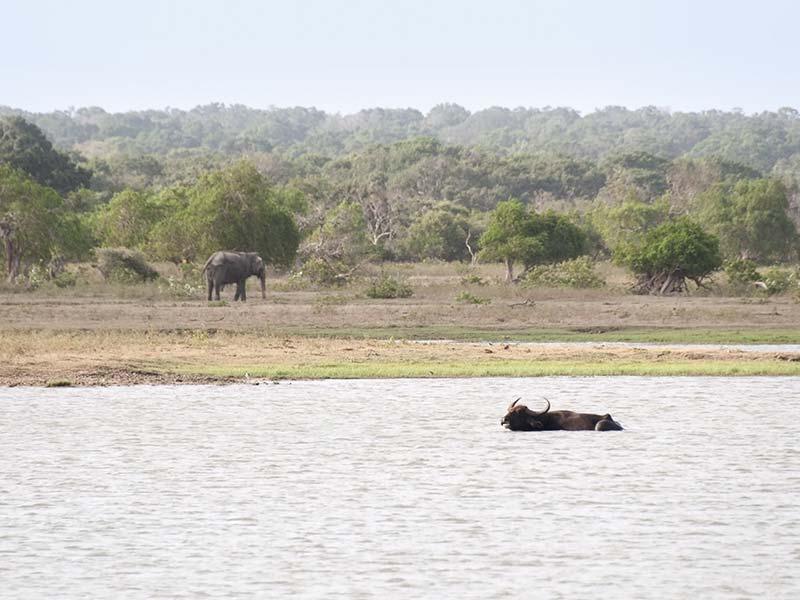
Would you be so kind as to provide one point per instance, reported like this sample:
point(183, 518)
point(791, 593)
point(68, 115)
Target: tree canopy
point(231, 209)
point(517, 235)
point(34, 223)
point(24, 147)
point(751, 219)
point(670, 254)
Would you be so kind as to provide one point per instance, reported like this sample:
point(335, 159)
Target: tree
point(440, 233)
point(127, 220)
point(515, 235)
point(25, 147)
point(338, 247)
point(751, 220)
point(625, 223)
point(670, 254)
point(230, 209)
point(34, 225)
point(342, 237)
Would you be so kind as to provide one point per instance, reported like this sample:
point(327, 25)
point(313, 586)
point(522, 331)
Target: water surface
point(401, 488)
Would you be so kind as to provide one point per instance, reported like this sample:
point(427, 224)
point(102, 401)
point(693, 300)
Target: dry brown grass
point(96, 332)
point(116, 357)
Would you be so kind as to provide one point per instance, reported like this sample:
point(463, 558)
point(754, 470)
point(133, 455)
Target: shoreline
point(77, 358)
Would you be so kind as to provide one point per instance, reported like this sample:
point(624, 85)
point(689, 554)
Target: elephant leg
point(243, 294)
point(210, 288)
point(216, 290)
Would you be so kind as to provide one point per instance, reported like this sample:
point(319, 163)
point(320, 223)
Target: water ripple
point(365, 489)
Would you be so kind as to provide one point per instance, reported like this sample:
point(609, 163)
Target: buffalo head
point(521, 418)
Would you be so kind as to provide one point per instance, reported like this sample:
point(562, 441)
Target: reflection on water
point(409, 488)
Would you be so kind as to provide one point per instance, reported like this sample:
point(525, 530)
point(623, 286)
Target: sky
point(343, 56)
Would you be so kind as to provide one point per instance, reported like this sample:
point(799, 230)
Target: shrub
point(124, 265)
point(473, 280)
point(182, 288)
point(36, 276)
point(742, 274)
point(388, 287)
point(469, 298)
point(577, 273)
point(779, 280)
point(324, 272)
point(741, 271)
point(65, 279)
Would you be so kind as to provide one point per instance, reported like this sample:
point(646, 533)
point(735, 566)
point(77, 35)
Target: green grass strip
point(634, 335)
point(392, 370)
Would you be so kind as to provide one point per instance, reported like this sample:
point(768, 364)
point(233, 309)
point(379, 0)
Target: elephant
point(234, 267)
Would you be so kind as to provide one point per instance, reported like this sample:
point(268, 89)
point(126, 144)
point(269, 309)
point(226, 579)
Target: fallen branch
point(527, 302)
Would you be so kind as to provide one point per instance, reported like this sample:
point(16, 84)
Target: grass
point(400, 370)
point(58, 383)
point(633, 335)
point(101, 333)
point(84, 357)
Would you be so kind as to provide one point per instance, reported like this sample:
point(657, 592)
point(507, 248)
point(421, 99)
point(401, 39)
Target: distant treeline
point(326, 193)
point(768, 141)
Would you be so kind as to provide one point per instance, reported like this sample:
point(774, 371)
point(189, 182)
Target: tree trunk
point(13, 259)
point(472, 257)
point(509, 270)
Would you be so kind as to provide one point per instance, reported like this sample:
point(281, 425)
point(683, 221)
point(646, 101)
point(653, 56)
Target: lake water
point(401, 489)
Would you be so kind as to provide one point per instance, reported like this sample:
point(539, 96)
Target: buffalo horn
point(510, 406)
point(545, 410)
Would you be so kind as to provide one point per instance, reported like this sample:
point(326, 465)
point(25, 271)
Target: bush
point(181, 288)
point(324, 272)
point(741, 272)
point(124, 265)
point(65, 279)
point(36, 276)
point(388, 287)
point(779, 280)
point(469, 298)
point(473, 280)
point(577, 273)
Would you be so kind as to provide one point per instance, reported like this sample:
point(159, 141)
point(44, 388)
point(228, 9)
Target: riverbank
point(104, 357)
point(98, 333)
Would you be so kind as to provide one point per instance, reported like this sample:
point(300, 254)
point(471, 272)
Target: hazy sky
point(343, 56)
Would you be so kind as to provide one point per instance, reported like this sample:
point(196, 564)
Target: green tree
point(34, 225)
point(751, 220)
point(342, 237)
point(625, 223)
point(439, 233)
point(670, 254)
point(230, 209)
point(516, 235)
point(24, 147)
point(127, 220)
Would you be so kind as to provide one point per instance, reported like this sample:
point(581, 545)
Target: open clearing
point(99, 334)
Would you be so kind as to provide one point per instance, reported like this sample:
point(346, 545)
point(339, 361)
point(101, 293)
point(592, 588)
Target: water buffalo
point(521, 418)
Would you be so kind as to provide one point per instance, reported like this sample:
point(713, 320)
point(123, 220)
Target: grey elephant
point(224, 267)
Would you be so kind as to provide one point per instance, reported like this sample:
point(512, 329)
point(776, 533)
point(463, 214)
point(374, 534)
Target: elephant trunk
point(263, 278)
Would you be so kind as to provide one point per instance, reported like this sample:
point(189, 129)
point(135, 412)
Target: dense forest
point(768, 142)
point(330, 191)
